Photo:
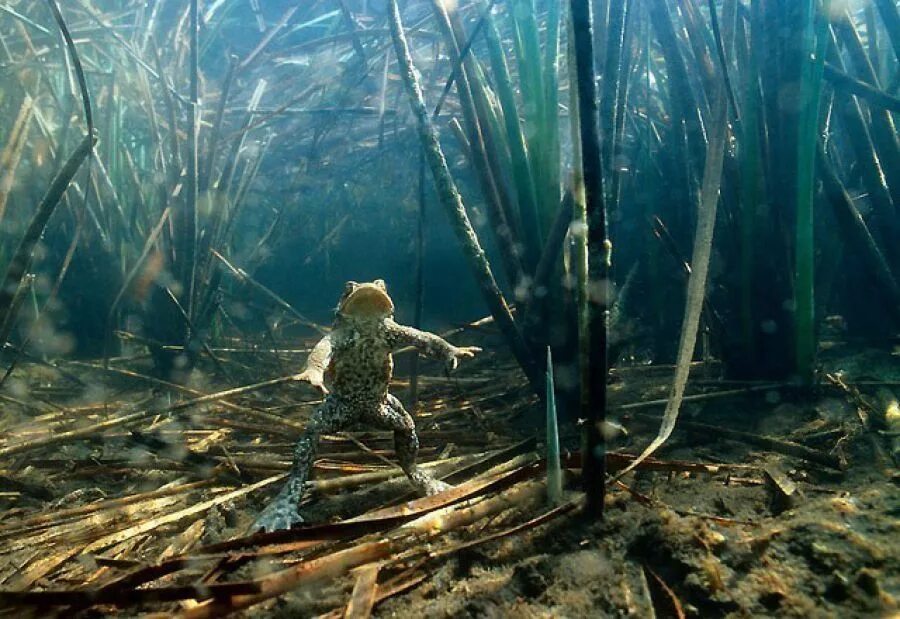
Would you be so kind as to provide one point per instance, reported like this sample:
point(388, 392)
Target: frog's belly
point(364, 381)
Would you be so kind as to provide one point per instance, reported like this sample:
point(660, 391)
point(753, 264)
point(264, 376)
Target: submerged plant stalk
point(21, 260)
point(554, 470)
point(814, 46)
point(696, 290)
point(594, 392)
point(451, 200)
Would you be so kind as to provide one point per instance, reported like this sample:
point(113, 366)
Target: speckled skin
point(354, 365)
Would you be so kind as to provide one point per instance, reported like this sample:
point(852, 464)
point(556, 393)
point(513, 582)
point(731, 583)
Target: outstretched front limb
point(316, 364)
point(282, 512)
point(393, 416)
point(428, 344)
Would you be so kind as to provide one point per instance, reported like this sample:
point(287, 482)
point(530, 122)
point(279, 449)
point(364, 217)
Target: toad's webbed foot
point(279, 514)
point(426, 485)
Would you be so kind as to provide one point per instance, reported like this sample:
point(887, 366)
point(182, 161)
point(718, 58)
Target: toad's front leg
point(282, 512)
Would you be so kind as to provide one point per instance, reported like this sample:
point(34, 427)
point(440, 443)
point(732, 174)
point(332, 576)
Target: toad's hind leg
point(282, 512)
point(393, 416)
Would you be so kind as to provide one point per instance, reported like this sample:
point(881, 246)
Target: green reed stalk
point(750, 169)
point(815, 42)
point(549, 137)
point(523, 19)
point(515, 140)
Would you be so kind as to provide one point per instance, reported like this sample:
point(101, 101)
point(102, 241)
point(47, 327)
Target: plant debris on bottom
point(153, 515)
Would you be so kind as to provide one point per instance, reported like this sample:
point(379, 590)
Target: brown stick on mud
point(452, 202)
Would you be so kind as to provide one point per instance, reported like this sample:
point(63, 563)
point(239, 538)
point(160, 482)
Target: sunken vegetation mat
point(149, 513)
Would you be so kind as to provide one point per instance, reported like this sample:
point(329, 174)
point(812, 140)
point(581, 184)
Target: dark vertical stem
point(594, 404)
point(419, 284)
point(189, 221)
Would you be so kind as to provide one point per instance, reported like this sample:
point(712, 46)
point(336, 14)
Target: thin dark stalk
point(594, 393)
point(76, 61)
point(419, 283)
point(187, 233)
point(723, 62)
point(217, 127)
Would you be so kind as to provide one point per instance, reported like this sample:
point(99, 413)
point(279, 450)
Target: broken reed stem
point(788, 448)
point(402, 538)
point(451, 200)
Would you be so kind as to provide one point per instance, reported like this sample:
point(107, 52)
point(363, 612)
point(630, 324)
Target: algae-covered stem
point(452, 202)
point(593, 402)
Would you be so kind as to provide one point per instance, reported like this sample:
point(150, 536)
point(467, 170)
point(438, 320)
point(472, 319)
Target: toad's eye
point(350, 287)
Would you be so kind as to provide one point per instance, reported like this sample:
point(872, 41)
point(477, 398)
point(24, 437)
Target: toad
point(353, 366)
